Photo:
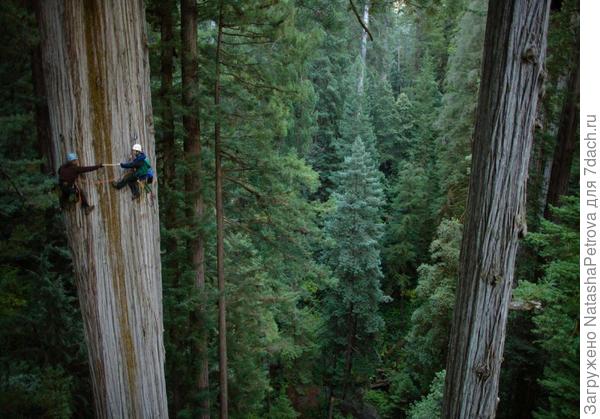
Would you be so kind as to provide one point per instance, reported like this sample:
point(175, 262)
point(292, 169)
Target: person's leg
point(65, 194)
point(82, 197)
point(135, 189)
point(121, 183)
point(125, 180)
point(85, 206)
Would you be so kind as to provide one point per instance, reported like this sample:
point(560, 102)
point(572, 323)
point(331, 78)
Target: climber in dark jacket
point(142, 171)
point(67, 181)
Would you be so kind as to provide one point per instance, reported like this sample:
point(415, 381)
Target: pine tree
point(352, 306)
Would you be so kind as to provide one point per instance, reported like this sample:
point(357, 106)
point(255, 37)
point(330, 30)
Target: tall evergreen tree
point(352, 306)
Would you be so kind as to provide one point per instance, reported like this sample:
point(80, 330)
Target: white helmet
point(137, 147)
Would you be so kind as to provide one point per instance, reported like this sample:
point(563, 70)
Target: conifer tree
point(352, 307)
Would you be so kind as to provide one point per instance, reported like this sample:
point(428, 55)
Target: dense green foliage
point(343, 218)
point(354, 230)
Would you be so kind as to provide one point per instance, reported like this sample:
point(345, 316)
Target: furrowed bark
point(97, 79)
point(514, 54)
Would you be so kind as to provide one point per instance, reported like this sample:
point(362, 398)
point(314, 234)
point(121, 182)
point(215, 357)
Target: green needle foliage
point(354, 230)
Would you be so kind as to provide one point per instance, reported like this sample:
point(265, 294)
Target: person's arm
point(134, 164)
point(84, 169)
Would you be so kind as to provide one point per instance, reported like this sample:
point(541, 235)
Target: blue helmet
point(71, 156)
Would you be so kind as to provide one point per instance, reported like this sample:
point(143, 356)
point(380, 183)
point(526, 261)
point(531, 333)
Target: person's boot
point(89, 209)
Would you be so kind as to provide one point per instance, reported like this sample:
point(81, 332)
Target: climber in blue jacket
point(141, 171)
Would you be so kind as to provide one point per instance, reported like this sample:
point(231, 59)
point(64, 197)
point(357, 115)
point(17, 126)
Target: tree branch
point(244, 186)
point(360, 20)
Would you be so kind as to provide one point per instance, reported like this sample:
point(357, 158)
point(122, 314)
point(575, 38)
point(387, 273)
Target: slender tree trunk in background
point(546, 171)
point(97, 78)
point(348, 355)
point(514, 54)
point(566, 142)
point(42, 116)
point(363, 49)
point(224, 400)
point(192, 149)
point(165, 95)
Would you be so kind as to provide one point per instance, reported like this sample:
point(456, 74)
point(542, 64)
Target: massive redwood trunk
point(97, 80)
point(514, 53)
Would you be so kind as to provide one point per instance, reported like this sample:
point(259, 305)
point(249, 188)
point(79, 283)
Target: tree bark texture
point(192, 148)
point(97, 79)
point(514, 54)
point(566, 142)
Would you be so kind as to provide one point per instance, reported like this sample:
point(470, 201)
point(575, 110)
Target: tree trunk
point(349, 349)
point(192, 149)
point(514, 54)
point(224, 399)
point(363, 50)
point(97, 78)
point(566, 142)
point(165, 95)
point(546, 172)
point(42, 116)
